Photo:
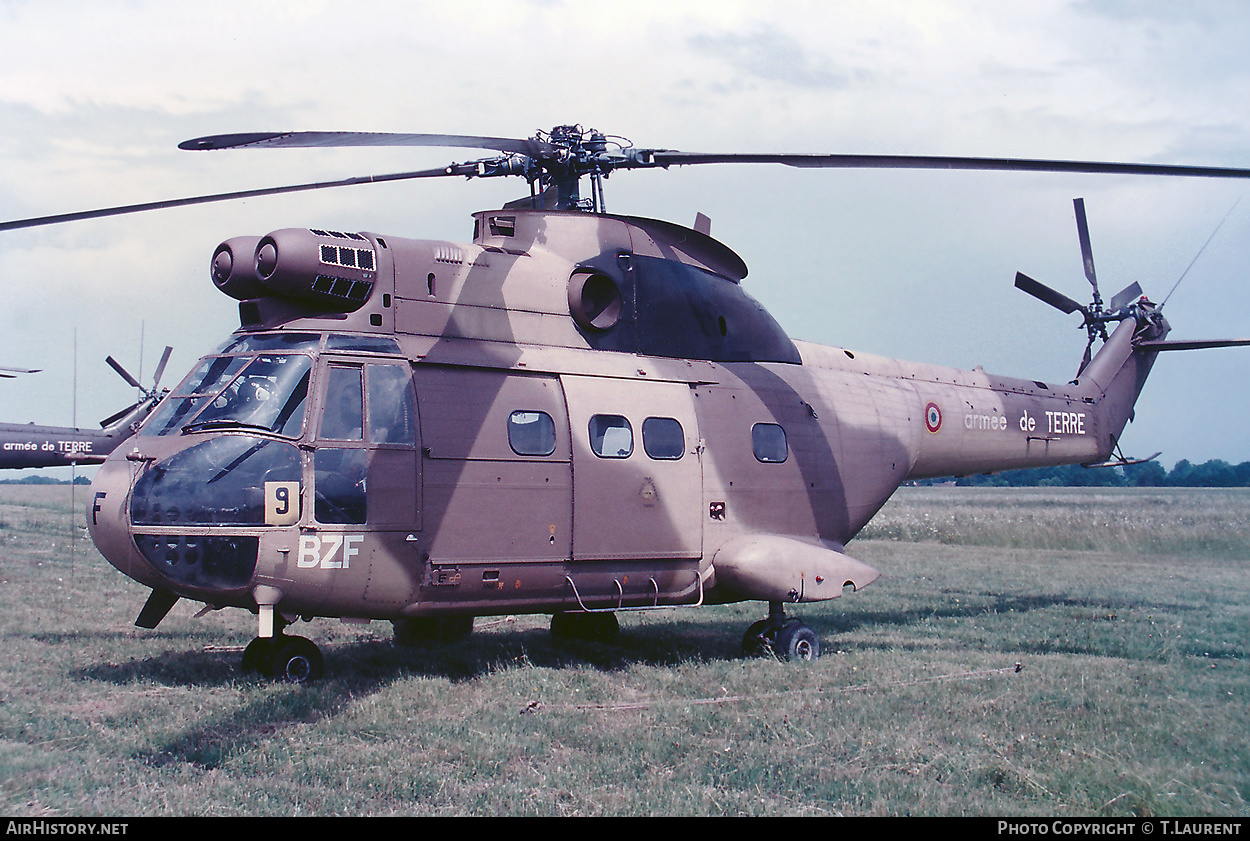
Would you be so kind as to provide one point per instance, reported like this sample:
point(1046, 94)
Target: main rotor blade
point(1044, 293)
point(217, 197)
point(1194, 344)
point(325, 139)
point(672, 158)
point(1087, 252)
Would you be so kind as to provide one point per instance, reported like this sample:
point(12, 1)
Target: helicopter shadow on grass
point(355, 670)
point(358, 669)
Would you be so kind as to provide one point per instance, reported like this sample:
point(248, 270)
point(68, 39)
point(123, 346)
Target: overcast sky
point(95, 96)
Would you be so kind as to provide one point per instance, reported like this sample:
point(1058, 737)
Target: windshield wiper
point(223, 423)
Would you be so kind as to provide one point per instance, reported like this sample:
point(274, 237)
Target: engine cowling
point(334, 271)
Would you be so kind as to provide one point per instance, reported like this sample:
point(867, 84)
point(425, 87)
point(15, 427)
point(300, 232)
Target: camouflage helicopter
point(575, 414)
point(30, 445)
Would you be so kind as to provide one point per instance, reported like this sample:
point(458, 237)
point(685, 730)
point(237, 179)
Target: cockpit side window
point(339, 482)
point(364, 467)
point(342, 418)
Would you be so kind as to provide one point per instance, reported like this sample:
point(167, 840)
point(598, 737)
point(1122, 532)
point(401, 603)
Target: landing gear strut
point(787, 639)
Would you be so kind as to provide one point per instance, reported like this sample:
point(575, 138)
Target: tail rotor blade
point(125, 375)
point(1125, 296)
point(160, 367)
point(1087, 253)
point(1047, 295)
point(114, 418)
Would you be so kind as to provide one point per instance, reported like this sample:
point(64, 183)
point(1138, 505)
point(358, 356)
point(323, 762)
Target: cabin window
point(611, 436)
point(768, 440)
point(663, 438)
point(392, 412)
point(531, 433)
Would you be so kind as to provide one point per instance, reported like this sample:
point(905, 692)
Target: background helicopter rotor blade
point(1044, 293)
point(1087, 252)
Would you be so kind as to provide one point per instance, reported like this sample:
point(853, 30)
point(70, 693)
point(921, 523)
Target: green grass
point(1125, 610)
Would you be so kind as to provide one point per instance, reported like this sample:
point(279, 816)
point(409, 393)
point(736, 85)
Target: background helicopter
point(31, 445)
point(567, 328)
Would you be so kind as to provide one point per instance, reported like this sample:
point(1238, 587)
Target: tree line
point(1215, 473)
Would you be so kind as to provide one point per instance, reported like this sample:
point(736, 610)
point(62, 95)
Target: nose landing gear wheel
point(256, 657)
point(786, 639)
point(296, 660)
point(289, 659)
point(797, 642)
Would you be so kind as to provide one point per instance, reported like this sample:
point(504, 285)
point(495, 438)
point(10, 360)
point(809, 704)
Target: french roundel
point(932, 417)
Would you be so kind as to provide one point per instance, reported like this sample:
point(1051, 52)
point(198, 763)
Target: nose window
point(219, 482)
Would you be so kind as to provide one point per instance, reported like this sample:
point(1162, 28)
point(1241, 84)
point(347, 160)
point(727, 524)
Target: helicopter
point(575, 414)
point(30, 445)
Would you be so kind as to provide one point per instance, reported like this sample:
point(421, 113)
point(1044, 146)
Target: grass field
point(1025, 652)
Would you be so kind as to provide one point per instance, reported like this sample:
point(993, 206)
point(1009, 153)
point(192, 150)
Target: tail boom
point(1001, 424)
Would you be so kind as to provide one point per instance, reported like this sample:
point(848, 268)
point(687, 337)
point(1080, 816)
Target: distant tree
point(1149, 474)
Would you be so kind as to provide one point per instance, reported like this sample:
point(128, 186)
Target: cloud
point(773, 56)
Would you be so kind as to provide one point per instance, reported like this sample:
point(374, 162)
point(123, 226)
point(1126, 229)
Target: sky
point(95, 96)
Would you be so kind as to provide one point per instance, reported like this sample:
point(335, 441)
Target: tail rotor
point(1095, 314)
point(150, 396)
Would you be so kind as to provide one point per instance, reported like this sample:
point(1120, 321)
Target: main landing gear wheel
point(290, 659)
point(597, 627)
point(786, 639)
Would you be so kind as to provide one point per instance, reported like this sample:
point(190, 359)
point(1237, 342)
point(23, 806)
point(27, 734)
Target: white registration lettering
point(986, 423)
point(350, 542)
point(324, 552)
point(1065, 423)
point(309, 551)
